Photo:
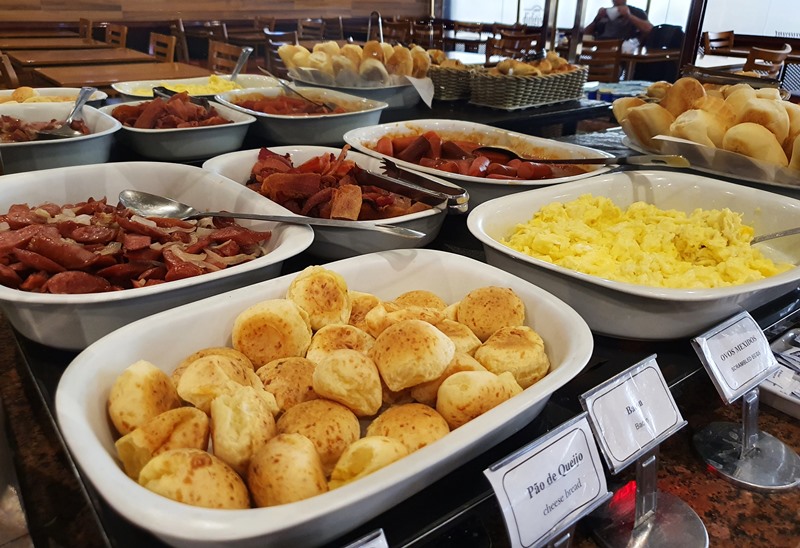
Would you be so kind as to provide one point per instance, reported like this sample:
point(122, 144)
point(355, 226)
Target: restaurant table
point(647, 55)
point(38, 33)
point(51, 43)
point(719, 62)
point(102, 76)
point(26, 60)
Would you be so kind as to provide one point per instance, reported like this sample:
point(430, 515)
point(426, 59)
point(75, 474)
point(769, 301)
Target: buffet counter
point(458, 510)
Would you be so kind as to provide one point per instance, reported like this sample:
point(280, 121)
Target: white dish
point(63, 94)
point(136, 89)
point(636, 311)
point(189, 143)
point(75, 321)
point(317, 129)
point(331, 242)
point(480, 189)
point(84, 388)
point(395, 96)
point(94, 148)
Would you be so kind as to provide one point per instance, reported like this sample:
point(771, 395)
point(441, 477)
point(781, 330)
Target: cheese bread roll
point(755, 141)
point(413, 424)
point(360, 304)
point(795, 154)
point(387, 314)
point(364, 457)
point(519, 350)
point(230, 353)
point(738, 98)
point(793, 112)
point(141, 392)
point(321, 61)
point(682, 94)
point(426, 392)
point(329, 47)
point(420, 297)
point(621, 106)
point(23, 93)
point(487, 309)
point(289, 380)
point(465, 340)
point(287, 54)
point(192, 476)
point(354, 52)
point(698, 126)
point(373, 70)
point(768, 113)
point(645, 122)
point(337, 336)
point(272, 329)
point(718, 108)
point(350, 378)
point(422, 62)
point(400, 62)
point(322, 294)
point(469, 394)
point(372, 50)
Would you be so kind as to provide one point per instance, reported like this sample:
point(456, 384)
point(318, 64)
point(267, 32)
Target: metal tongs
point(166, 93)
point(418, 186)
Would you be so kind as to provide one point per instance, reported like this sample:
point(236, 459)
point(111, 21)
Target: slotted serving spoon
point(66, 131)
point(152, 205)
point(669, 160)
point(329, 107)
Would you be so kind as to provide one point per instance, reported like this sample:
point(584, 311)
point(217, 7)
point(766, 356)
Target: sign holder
point(737, 357)
point(644, 516)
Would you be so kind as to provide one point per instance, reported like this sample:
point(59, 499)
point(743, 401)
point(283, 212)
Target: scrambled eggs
point(215, 85)
point(645, 245)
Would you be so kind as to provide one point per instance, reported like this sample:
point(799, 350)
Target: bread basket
point(510, 92)
point(450, 84)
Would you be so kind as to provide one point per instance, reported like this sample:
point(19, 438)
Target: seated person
point(619, 22)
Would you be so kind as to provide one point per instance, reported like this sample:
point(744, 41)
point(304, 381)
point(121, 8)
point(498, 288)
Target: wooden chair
point(428, 35)
point(275, 40)
point(512, 46)
point(471, 29)
point(216, 30)
point(516, 28)
point(116, 35)
point(262, 22)
point(85, 28)
point(334, 28)
point(397, 32)
point(717, 40)
point(8, 76)
point(604, 59)
point(162, 47)
point(768, 62)
point(311, 29)
point(222, 56)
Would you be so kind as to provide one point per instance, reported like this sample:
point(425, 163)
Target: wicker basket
point(450, 84)
point(517, 92)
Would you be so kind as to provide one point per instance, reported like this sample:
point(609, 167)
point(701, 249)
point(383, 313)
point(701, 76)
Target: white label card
point(375, 539)
point(547, 486)
point(632, 413)
point(736, 355)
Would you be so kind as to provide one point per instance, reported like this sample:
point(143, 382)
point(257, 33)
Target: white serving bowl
point(480, 189)
point(84, 388)
point(635, 311)
point(333, 242)
point(143, 89)
point(402, 95)
point(187, 143)
point(94, 148)
point(317, 129)
point(75, 321)
point(60, 94)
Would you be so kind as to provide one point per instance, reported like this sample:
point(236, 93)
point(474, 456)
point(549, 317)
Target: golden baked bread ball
point(769, 93)
point(621, 106)
point(289, 380)
point(231, 353)
point(287, 54)
point(182, 427)
point(421, 62)
point(372, 50)
point(364, 457)
point(241, 423)
point(451, 312)
point(505, 66)
point(453, 64)
point(345, 71)
point(733, 88)
point(518, 350)
point(426, 392)
point(698, 126)
point(330, 425)
point(194, 477)
point(793, 112)
point(437, 56)
point(718, 108)
point(410, 352)
point(738, 98)
point(469, 394)
point(300, 58)
point(272, 329)
point(388, 51)
point(286, 469)
point(682, 94)
point(336, 336)
point(413, 424)
point(795, 154)
point(387, 314)
point(141, 392)
point(350, 378)
point(465, 340)
point(487, 309)
point(657, 90)
point(323, 294)
point(321, 61)
point(645, 122)
point(526, 69)
point(329, 47)
point(769, 113)
point(400, 61)
point(391, 397)
point(23, 93)
point(372, 70)
point(420, 297)
point(354, 52)
point(755, 141)
point(360, 304)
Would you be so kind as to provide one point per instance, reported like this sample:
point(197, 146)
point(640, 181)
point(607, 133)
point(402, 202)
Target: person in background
point(619, 22)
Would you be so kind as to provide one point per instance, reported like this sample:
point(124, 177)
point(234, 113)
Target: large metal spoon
point(638, 160)
point(152, 205)
point(773, 235)
point(241, 62)
point(66, 131)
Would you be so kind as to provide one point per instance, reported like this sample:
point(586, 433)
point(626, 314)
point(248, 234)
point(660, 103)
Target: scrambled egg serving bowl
point(633, 310)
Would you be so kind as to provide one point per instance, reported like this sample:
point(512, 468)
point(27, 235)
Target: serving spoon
point(328, 107)
point(669, 160)
point(773, 235)
point(153, 205)
point(66, 131)
point(240, 63)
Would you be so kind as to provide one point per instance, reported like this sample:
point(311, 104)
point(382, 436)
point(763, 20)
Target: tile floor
point(13, 526)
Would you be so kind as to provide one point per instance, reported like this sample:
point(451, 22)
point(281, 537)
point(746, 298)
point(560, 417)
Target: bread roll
point(329, 47)
point(360, 304)
point(645, 122)
point(322, 293)
point(487, 309)
point(426, 392)
point(372, 70)
point(400, 62)
point(272, 329)
point(681, 95)
point(469, 394)
point(372, 50)
point(657, 90)
point(465, 340)
point(411, 352)
point(793, 112)
point(718, 108)
point(321, 61)
point(387, 314)
point(286, 469)
point(183, 427)
point(194, 477)
point(300, 58)
point(350, 378)
point(388, 51)
point(354, 52)
point(698, 126)
point(287, 54)
point(769, 93)
point(621, 106)
point(337, 336)
point(331, 426)
point(738, 98)
point(421, 62)
point(413, 424)
point(420, 297)
point(770, 114)
point(437, 56)
point(23, 93)
point(140, 393)
point(231, 353)
point(364, 457)
point(755, 141)
point(729, 90)
point(518, 350)
point(795, 154)
point(345, 71)
point(289, 380)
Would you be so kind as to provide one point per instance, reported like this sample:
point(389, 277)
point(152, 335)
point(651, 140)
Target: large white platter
point(134, 89)
point(637, 311)
point(168, 337)
point(480, 189)
point(60, 94)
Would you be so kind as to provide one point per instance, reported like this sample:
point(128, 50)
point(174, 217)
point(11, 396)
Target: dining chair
point(717, 40)
point(311, 29)
point(768, 62)
point(397, 32)
point(428, 35)
point(162, 47)
point(222, 56)
point(334, 28)
point(512, 46)
point(262, 22)
point(216, 30)
point(275, 40)
point(116, 35)
point(507, 29)
point(604, 59)
point(470, 29)
point(8, 76)
point(85, 28)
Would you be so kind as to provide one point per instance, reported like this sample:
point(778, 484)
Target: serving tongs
point(166, 93)
point(417, 186)
point(666, 160)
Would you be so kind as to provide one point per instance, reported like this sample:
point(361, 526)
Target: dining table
point(643, 54)
point(102, 76)
point(27, 58)
point(44, 42)
point(719, 62)
point(38, 33)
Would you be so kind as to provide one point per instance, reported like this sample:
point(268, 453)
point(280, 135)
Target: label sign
point(632, 413)
point(736, 355)
point(547, 486)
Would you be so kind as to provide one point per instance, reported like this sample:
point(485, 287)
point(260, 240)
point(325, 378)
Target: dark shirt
point(619, 28)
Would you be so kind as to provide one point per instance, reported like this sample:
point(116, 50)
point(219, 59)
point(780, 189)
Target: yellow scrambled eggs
point(645, 245)
point(215, 85)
